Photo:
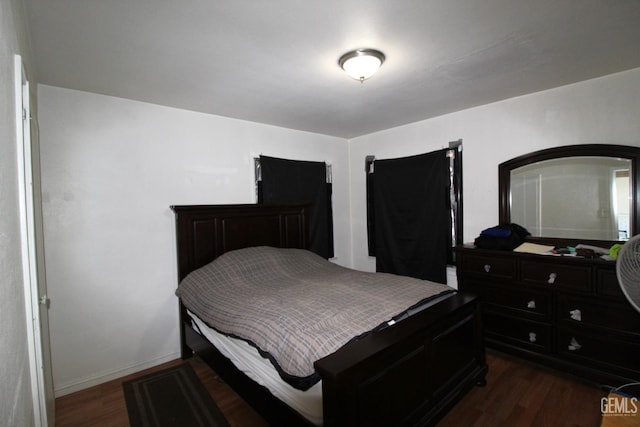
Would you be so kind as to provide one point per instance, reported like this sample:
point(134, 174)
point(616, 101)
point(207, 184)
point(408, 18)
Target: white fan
point(628, 270)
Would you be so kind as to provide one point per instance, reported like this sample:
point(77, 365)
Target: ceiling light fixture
point(361, 63)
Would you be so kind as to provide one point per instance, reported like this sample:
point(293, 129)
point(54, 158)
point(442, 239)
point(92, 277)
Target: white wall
point(111, 168)
point(604, 110)
point(16, 406)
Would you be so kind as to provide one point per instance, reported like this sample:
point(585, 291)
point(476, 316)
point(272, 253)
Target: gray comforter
point(295, 306)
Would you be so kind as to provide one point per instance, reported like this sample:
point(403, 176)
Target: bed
point(410, 372)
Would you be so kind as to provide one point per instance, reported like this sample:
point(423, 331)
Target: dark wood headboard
point(204, 232)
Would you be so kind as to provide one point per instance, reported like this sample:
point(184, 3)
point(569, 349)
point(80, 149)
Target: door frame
point(41, 386)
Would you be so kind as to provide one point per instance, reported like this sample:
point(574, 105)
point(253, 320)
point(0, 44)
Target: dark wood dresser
point(565, 312)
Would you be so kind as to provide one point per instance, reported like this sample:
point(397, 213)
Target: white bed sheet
point(247, 358)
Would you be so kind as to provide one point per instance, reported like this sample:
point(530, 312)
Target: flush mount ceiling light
point(361, 64)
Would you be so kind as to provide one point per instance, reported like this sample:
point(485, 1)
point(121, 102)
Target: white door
point(36, 300)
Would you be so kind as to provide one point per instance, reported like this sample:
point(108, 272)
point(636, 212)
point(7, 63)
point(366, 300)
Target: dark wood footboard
point(408, 374)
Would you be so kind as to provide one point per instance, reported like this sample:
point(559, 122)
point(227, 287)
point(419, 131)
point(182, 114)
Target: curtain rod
point(370, 159)
point(258, 170)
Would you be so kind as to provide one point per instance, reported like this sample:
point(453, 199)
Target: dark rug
point(171, 397)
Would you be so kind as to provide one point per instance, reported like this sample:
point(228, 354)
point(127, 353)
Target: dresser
point(564, 312)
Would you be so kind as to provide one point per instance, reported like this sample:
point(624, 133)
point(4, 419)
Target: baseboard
point(64, 389)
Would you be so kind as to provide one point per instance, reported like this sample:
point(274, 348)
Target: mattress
point(296, 306)
point(247, 359)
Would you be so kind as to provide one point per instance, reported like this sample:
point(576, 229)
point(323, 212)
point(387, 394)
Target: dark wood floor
point(518, 394)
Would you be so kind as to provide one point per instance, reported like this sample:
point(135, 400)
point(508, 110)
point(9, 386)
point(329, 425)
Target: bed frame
point(411, 373)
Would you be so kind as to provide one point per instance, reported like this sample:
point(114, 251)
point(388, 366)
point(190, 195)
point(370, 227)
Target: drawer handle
point(576, 315)
point(552, 278)
point(574, 345)
point(531, 304)
point(487, 267)
point(532, 337)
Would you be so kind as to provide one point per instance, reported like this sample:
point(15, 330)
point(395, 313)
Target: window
point(414, 212)
point(294, 181)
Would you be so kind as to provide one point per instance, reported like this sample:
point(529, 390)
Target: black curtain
point(411, 208)
point(296, 181)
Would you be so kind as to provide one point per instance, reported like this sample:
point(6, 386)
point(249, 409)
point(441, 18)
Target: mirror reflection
point(584, 197)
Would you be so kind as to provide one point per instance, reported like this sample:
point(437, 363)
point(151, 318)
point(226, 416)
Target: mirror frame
point(584, 150)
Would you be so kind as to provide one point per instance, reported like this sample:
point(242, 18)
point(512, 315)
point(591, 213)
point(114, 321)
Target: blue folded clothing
point(497, 232)
point(503, 236)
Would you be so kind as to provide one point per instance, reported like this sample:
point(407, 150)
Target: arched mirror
point(576, 192)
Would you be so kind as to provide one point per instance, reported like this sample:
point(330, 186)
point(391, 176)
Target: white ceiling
point(275, 62)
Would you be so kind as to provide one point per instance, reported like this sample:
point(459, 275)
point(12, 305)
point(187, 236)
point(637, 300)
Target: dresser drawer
point(524, 333)
point(600, 350)
point(489, 266)
point(531, 303)
point(594, 313)
point(558, 275)
point(569, 312)
point(607, 283)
